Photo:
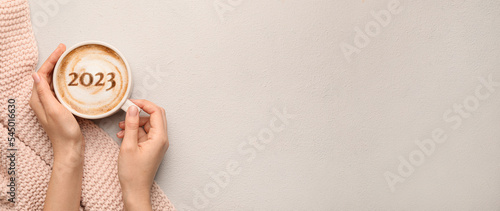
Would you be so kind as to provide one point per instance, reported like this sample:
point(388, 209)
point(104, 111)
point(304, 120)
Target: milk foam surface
point(92, 79)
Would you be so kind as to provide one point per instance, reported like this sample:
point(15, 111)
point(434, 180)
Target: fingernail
point(36, 77)
point(132, 111)
point(120, 133)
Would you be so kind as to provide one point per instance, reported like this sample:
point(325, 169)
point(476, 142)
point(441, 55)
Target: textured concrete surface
point(389, 104)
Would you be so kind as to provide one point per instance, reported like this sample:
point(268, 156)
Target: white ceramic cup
point(124, 103)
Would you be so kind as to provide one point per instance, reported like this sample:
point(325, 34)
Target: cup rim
point(113, 110)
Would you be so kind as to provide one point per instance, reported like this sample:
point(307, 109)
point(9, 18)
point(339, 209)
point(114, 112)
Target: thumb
point(131, 128)
point(44, 93)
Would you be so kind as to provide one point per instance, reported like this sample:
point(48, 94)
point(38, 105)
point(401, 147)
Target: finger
point(131, 128)
point(164, 120)
point(35, 103)
point(120, 134)
point(143, 120)
point(155, 112)
point(142, 135)
point(47, 99)
point(146, 126)
point(165, 147)
point(49, 64)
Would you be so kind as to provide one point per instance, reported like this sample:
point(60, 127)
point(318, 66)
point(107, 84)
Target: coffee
point(92, 79)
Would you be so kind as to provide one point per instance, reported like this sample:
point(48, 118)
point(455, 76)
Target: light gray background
point(219, 80)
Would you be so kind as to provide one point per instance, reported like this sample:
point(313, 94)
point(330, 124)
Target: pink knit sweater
point(33, 158)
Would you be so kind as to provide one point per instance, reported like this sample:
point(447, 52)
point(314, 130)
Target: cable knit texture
point(100, 187)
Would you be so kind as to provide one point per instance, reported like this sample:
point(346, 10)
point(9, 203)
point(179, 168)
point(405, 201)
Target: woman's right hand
point(144, 144)
point(58, 122)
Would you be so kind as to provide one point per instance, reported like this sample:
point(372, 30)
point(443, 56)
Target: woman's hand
point(64, 133)
point(57, 121)
point(143, 147)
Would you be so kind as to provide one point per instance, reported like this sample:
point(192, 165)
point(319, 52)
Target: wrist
point(136, 200)
point(69, 161)
point(72, 156)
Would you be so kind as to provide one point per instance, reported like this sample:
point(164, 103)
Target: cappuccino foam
point(92, 79)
